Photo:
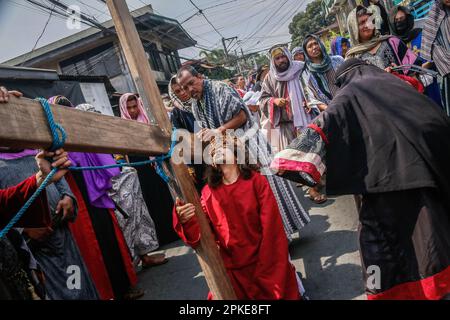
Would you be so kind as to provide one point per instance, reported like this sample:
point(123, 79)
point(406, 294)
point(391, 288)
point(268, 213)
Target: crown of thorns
point(225, 140)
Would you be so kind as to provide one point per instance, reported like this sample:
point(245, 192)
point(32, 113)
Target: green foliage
point(262, 59)
point(309, 21)
point(216, 56)
point(327, 41)
point(219, 73)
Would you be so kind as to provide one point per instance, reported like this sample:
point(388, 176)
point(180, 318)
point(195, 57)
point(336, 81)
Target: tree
point(309, 21)
point(226, 69)
point(262, 59)
point(215, 56)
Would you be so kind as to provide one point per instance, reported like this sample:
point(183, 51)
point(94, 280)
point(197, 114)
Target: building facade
point(95, 52)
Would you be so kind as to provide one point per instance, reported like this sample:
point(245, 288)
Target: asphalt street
point(325, 253)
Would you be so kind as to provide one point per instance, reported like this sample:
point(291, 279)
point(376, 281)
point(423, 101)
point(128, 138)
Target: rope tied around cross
point(58, 140)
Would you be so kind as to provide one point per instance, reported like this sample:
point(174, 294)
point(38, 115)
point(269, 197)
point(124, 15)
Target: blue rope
point(59, 138)
point(158, 160)
point(22, 210)
point(58, 132)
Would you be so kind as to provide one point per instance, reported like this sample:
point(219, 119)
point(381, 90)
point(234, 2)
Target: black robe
point(381, 139)
point(384, 135)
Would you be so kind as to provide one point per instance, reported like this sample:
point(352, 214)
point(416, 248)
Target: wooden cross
point(24, 125)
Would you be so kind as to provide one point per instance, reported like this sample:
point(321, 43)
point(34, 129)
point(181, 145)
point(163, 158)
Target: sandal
point(154, 260)
point(134, 294)
point(318, 198)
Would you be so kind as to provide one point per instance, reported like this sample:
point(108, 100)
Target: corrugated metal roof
point(13, 73)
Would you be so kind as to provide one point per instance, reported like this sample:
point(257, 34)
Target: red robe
point(86, 239)
point(249, 232)
point(12, 199)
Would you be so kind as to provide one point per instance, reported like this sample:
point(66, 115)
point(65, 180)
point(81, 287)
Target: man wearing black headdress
point(381, 139)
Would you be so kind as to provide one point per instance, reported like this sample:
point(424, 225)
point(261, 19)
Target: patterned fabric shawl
point(436, 38)
point(219, 105)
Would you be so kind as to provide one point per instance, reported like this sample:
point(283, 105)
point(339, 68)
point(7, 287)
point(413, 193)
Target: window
point(155, 58)
point(100, 61)
point(172, 60)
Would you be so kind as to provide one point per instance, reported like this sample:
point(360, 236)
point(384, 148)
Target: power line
point(206, 18)
point(61, 13)
point(269, 16)
point(96, 9)
point(82, 16)
point(90, 22)
point(40, 36)
point(46, 8)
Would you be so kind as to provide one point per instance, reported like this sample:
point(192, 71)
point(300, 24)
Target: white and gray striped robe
point(221, 103)
point(436, 45)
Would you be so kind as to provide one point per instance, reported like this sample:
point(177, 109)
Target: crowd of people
point(365, 118)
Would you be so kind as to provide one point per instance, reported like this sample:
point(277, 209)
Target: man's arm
point(13, 198)
point(236, 122)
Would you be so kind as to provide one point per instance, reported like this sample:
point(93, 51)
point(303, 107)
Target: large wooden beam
point(207, 253)
point(137, 61)
point(23, 124)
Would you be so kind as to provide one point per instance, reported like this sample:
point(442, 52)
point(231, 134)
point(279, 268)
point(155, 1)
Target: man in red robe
point(246, 221)
point(12, 199)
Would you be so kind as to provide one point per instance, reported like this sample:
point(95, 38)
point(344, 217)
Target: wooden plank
point(24, 125)
point(137, 61)
point(207, 252)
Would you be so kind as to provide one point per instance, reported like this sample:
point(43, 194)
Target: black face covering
point(401, 26)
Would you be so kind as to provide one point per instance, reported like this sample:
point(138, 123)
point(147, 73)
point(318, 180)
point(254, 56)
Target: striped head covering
point(437, 23)
point(185, 106)
point(297, 50)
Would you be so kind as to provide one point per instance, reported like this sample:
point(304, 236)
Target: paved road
point(326, 253)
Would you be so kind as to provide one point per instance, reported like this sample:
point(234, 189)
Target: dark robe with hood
point(381, 139)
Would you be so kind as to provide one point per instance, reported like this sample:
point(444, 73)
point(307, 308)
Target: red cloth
point(12, 199)
point(411, 80)
point(287, 107)
point(124, 250)
point(250, 235)
point(85, 237)
point(241, 92)
point(430, 288)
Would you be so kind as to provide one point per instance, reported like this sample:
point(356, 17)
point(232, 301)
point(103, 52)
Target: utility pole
point(243, 57)
point(254, 62)
point(225, 47)
point(237, 62)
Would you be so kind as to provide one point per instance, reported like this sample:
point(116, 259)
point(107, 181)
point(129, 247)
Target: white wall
point(96, 95)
